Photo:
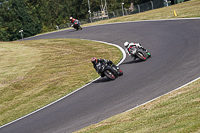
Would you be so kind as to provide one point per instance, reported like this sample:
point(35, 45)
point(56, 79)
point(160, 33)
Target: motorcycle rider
point(128, 47)
point(73, 21)
point(96, 61)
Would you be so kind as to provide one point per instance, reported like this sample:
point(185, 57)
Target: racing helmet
point(70, 18)
point(126, 44)
point(94, 59)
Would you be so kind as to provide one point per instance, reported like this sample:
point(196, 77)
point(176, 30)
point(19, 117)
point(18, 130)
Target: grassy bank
point(178, 111)
point(188, 9)
point(35, 73)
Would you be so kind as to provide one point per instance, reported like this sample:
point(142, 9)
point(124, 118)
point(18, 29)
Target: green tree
point(35, 16)
point(15, 17)
point(2, 31)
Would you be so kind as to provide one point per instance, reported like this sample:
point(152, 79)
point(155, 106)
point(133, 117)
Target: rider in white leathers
point(128, 46)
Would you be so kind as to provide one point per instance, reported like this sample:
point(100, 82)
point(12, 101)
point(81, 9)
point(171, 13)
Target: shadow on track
point(103, 79)
point(133, 61)
point(72, 30)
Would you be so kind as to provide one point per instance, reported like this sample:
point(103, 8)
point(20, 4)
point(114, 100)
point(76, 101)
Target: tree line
point(37, 16)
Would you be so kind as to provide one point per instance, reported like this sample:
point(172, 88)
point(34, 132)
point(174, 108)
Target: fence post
point(89, 11)
point(126, 11)
point(138, 8)
point(122, 9)
point(151, 4)
point(21, 34)
point(57, 27)
point(114, 14)
point(166, 2)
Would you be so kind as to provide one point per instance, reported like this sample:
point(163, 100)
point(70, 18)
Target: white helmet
point(126, 44)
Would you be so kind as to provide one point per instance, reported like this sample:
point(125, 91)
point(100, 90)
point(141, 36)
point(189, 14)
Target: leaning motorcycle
point(138, 53)
point(110, 72)
point(76, 25)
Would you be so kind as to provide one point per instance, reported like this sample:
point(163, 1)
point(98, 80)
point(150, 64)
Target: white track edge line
point(124, 57)
point(164, 94)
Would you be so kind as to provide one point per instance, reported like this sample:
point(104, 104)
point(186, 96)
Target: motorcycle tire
point(141, 54)
point(110, 74)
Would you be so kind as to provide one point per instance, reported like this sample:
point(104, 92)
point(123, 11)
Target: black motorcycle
point(139, 53)
point(109, 71)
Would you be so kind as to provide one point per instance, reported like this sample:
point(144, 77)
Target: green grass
point(35, 73)
point(178, 111)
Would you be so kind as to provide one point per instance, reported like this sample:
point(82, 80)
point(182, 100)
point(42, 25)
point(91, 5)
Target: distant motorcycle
point(76, 25)
point(110, 72)
point(138, 53)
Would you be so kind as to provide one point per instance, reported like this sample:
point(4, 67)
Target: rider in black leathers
point(96, 61)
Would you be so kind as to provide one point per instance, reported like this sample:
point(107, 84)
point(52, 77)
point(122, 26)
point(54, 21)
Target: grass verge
point(36, 73)
point(178, 111)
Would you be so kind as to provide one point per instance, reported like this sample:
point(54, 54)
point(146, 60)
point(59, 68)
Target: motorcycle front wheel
point(141, 55)
point(109, 74)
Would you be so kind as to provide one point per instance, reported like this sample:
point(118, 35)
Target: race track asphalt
point(175, 61)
